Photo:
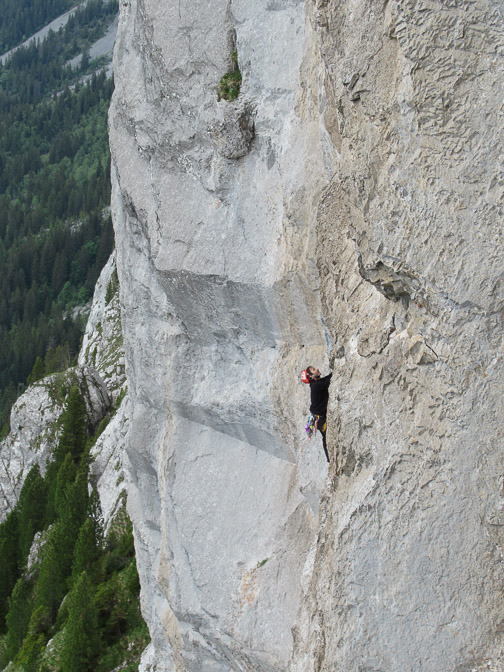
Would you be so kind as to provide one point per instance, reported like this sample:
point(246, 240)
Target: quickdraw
point(311, 425)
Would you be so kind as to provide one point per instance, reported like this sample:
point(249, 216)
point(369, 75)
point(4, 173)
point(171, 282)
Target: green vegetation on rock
point(229, 85)
point(79, 589)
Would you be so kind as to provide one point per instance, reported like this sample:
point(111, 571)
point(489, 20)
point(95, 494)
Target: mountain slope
point(54, 190)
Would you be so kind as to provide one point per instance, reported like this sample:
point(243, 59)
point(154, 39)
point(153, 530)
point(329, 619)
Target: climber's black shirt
point(320, 395)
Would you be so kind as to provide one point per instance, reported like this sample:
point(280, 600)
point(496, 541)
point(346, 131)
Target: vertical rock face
point(102, 351)
point(408, 573)
point(345, 209)
point(214, 206)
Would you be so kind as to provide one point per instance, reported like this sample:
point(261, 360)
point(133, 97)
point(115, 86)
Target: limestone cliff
point(409, 572)
point(101, 378)
point(214, 206)
point(345, 210)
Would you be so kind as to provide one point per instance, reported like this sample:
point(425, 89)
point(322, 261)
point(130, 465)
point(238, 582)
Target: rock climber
point(319, 393)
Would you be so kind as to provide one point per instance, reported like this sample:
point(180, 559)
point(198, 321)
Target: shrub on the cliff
point(229, 85)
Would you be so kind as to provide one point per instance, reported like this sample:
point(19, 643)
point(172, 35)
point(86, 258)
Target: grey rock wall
point(409, 573)
point(102, 351)
point(344, 211)
point(214, 211)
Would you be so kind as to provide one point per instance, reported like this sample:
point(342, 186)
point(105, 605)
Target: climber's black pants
point(322, 428)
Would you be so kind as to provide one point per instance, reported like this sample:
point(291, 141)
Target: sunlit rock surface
point(214, 206)
point(408, 572)
point(345, 210)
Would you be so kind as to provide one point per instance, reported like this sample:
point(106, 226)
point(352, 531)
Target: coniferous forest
point(55, 231)
point(22, 18)
point(69, 591)
point(73, 605)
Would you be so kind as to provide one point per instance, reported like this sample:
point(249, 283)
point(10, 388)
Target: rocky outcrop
point(102, 349)
point(102, 344)
point(100, 376)
point(35, 428)
point(344, 210)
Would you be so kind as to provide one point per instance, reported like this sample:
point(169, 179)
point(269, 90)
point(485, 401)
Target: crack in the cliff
point(431, 349)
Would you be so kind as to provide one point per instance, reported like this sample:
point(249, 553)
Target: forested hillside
point(19, 19)
point(55, 232)
point(69, 588)
point(80, 589)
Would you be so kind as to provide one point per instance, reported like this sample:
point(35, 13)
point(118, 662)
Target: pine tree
point(96, 516)
point(72, 513)
point(86, 551)
point(29, 656)
point(81, 646)
point(64, 482)
point(72, 441)
point(73, 435)
point(50, 586)
point(30, 509)
point(9, 564)
point(84, 64)
point(38, 371)
point(20, 607)
point(35, 640)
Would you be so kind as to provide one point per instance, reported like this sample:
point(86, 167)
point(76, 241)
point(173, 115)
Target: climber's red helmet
point(309, 374)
